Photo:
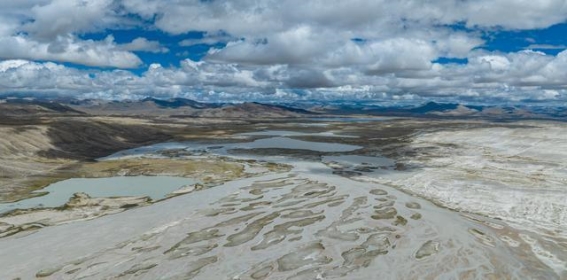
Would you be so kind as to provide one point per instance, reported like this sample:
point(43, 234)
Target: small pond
point(156, 187)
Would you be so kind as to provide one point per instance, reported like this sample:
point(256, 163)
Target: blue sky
point(175, 52)
point(551, 40)
point(402, 51)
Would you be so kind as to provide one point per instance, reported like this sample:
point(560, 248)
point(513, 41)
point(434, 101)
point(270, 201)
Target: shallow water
point(358, 160)
point(287, 133)
point(294, 144)
point(351, 119)
point(222, 149)
point(156, 187)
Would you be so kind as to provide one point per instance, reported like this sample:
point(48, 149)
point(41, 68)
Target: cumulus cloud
point(515, 14)
point(54, 18)
point(48, 30)
point(520, 76)
point(209, 38)
point(294, 46)
point(69, 49)
point(25, 76)
point(144, 45)
point(272, 49)
point(251, 17)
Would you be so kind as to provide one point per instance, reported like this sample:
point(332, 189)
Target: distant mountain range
point(434, 109)
point(182, 107)
point(179, 107)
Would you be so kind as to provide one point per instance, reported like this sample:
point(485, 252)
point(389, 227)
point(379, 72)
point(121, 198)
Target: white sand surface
point(477, 204)
point(307, 223)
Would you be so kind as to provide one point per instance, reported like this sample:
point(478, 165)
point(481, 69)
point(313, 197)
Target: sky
point(483, 51)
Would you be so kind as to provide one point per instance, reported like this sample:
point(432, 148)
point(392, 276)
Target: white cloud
point(400, 54)
point(515, 14)
point(275, 49)
point(249, 17)
point(26, 76)
point(489, 76)
point(69, 49)
point(295, 46)
point(546, 47)
point(209, 38)
point(48, 30)
point(61, 17)
point(457, 45)
point(144, 45)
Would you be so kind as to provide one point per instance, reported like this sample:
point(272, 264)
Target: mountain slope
point(189, 108)
point(253, 110)
point(24, 107)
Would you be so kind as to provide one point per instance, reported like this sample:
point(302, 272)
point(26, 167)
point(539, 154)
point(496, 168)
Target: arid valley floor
point(283, 198)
